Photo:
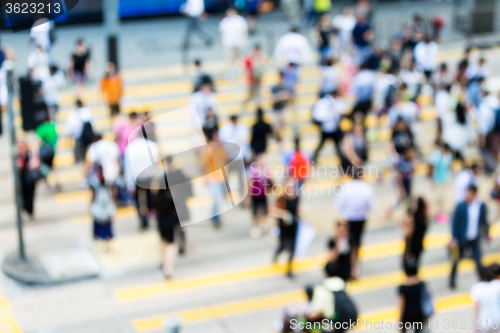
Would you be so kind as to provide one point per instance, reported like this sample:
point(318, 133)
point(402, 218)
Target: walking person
point(440, 172)
point(363, 86)
point(339, 250)
point(464, 179)
point(280, 98)
point(469, 225)
point(293, 47)
point(328, 111)
point(233, 31)
point(47, 134)
point(288, 214)
point(123, 128)
point(27, 166)
point(354, 148)
point(259, 181)
point(414, 227)
point(80, 67)
point(329, 77)
point(254, 66)
point(112, 89)
point(356, 201)
point(458, 131)
point(38, 64)
point(486, 297)
point(410, 301)
point(426, 56)
point(102, 207)
point(51, 89)
point(168, 228)
point(261, 131)
point(195, 12)
point(106, 154)
point(323, 34)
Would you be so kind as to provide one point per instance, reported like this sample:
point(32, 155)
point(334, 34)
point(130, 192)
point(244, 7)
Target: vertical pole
point(112, 25)
point(17, 181)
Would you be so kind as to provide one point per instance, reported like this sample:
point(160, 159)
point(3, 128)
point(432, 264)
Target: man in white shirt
point(107, 154)
point(355, 200)
point(426, 56)
point(479, 70)
point(195, 11)
point(463, 180)
point(205, 99)
point(363, 86)
point(51, 88)
point(140, 157)
point(38, 63)
point(238, 134)
point(292, 47)
point(233, 31)
point(40, 33)
point(345, 24)
point(74, 126)
point(468, 226)
point(445, 103)
point(486, 296)
point(327, 111)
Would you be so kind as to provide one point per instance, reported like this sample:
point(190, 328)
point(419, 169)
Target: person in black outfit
point(260, 133)
point(402, 137)
point(410, 300)
point(28, 176)
point(339, 250)
point(287, 212)
point(415, 228)
point(80, 64)
point(211, 125)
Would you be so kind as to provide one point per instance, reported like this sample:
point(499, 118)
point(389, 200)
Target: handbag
point(426, 301)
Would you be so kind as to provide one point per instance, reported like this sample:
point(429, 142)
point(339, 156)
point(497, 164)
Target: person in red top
point(298, 164)
point(254, 64)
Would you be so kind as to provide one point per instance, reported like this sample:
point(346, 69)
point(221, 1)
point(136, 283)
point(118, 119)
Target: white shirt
point(445, 103)
point(473, 211)
point(462, 182)
point(323, 299)
point(292, 47)
point(74, 124)
point(328, 111)
point(40, 32)
point(137, 159)
point(193, 8)
point(412, 79)
point(487, 295)
point(237, 134)
point(486, 114)
point(233, 31)
point(474, 71)
point(408, 111)
point(355, 200)
point(426, 55)
point(455, 134)
point(363, 85)
point(52, 86)
point(329, 78)
point(345, 25)
point(38, 61)
point(203, 102)
point(106, 153)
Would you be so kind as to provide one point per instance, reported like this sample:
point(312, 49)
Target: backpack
point(102, 208)
point(87, 136)
point(426, 302)
point(345, 310)
point(299, 166)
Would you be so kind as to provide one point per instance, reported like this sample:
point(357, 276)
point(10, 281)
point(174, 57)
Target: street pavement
point(226, 282)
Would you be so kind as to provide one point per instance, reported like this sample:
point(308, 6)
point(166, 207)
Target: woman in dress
point(287, 213)
point(415, 227)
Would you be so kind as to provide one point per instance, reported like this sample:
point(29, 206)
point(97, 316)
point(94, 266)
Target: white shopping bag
point(305, 236)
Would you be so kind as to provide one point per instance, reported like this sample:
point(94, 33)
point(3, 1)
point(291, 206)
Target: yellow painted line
point(8, 323)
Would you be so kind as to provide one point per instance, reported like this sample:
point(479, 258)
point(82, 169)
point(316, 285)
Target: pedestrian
point(237, 133)
point(149, 125)
point(410, 301)
point(415, 226)
point(51, 89)
point(140, 154)
point(7, 54)
point(124, 128)
point(402, 138)
point(329, 77)
point(47, 134)
point(112, 89)
point(27, 166)
point(41, 32)
point(38, 64)
point(323, 33)
point(233, 31)
point(345, 23)
point(339, 250)
point(405, 168)
point(426, 56)
point(442, 78)
point(201, 77)
point(488, 123)
point(328, 111)
point(440, 162)
point(362, 35)
point(293, 47)
point(168, 228)
point(215, 180)
point(479, 70)
point(195, 12)
point(355, 202)
point(254, 67)
point(298, 163)
point(469, 225)
point(106, 154)
point(211, 123)
point(261, 131)
point(80, 125)
point(445, 103)
point(204, 99)
point(464, 179)
point(80, 66)
point(486, 297)
point(362, 87)
point(354, 148)
point(102, 207)
point(458, 131)
point(280, 98)
point(288, 214)
point(259, 182)
point(414, 79)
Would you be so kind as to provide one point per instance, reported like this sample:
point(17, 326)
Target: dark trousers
point(143, 204)
point(194, 26)
point(336, 137)
point(475, 246)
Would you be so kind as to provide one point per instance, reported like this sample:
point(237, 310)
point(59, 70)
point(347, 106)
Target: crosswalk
point(8, 322)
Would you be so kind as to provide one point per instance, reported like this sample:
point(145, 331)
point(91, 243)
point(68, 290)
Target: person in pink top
point(123, 128)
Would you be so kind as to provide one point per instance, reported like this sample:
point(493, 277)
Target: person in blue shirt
point(440, 162)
